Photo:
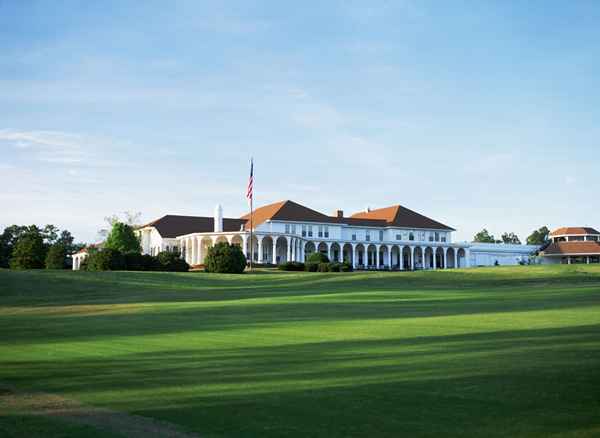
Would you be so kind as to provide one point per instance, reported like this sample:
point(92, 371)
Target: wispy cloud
point(61, 148)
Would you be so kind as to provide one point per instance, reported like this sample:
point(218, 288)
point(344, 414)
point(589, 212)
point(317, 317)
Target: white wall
point(486, 254)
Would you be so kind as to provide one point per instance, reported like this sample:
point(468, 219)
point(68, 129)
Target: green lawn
point(483, 352)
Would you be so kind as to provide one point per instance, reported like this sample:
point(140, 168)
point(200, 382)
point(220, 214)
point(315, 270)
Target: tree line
point(33, 247)
point(537, 237)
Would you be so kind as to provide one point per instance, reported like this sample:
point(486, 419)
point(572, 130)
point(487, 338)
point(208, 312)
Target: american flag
point(250, 181)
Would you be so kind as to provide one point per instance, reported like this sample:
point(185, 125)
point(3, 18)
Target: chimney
point(218, 219)
point(339, 213)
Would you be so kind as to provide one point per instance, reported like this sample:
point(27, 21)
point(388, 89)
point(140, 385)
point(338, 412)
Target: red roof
point(391, 216)
point(573, 248)
point(571, 231)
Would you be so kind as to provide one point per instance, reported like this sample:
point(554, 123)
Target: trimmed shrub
point(106, 260)
point(346, 267)
point(323, 267)
point(56, 257)
point(335, 267)
point(172, 262)
point(291, 266)
point(311, 267)
point(317, 257)
point(225, 258)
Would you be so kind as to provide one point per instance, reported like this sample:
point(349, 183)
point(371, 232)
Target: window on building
point(353, 236)
point(381, 236)
point(310, 233)
point(293, 228)
point(431, 237)
point(326, 230)
point(437, 236)
point(287, 228)
point(443, 238)
point(320, 231)
point(303, 230)
point(398, 236)
point(368, 236)
point(411, 236)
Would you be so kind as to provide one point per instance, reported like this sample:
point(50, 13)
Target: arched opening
point(309, 248)
point(371, 254)
point(205, 243)
point(462, 258)
point(266, 256)
point(407, 262)
point(335, 252)
point(419, 258)
point(384, 260)
point(281, 250)
point(428, 258)
point(450, 258)
point(360, 255)
point(395, 262)
point(322, 248)
point(348, 254)
point(439, 255)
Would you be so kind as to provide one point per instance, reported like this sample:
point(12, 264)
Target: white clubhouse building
point(387, 238)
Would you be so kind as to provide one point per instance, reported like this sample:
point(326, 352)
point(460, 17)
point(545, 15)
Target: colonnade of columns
point(276, 249)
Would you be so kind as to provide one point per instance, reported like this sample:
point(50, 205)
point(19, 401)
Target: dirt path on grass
point(13, 401)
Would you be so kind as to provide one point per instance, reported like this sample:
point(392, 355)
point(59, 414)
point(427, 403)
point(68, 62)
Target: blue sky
point(476, 113)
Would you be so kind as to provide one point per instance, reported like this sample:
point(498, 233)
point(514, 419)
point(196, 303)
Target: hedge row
point(114, 260)
point(316, 267)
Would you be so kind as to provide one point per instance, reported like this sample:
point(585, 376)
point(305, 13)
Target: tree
point(511, 238)
point(8, 239)
point(225, 258)
point(29, 251)
point(317, 257)
point(56, 258)
point(131, 219)
point(539, 236)
point(484, 236)
point(122, 238)
point(107, 259)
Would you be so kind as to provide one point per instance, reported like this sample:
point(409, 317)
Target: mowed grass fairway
point(482, 352)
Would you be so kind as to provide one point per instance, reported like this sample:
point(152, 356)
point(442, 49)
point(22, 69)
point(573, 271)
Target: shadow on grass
point(521, 382)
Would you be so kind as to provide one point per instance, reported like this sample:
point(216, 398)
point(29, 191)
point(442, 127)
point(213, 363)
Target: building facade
point(387, 238)
point(393, 238)
point(571, 245)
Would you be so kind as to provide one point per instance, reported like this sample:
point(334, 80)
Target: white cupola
point(218, 219)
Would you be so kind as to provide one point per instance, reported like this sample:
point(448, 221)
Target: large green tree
point(122, 238)
point(8, 239)
point(539, 236)
point(484, 236)
point(29, 251)
point(511, 238)
point(56, 258)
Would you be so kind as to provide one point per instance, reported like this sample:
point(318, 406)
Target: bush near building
point(317, 257)
point(291, 266)
point(225, 258)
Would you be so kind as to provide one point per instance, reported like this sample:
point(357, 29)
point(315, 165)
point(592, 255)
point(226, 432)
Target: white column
point(434, 255)
point(289, 248)
point(412, 258)
point(260, 249)
point(341, 253)
point(245, 245)
point(389, 256)
point(274, 250)
point(467, 257)
point(455, 258)
point(588, 260)
point(445, 258)
point(329, 250)
point(401, 258)
point(423, 258)
point(377, 248)
point(354, 252)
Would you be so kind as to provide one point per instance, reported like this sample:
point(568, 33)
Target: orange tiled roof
point(573, 231)
point(573, 248)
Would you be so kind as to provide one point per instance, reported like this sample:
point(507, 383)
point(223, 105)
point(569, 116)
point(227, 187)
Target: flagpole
point(251, 213)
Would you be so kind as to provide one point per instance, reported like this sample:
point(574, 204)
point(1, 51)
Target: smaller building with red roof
point(570, 245)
